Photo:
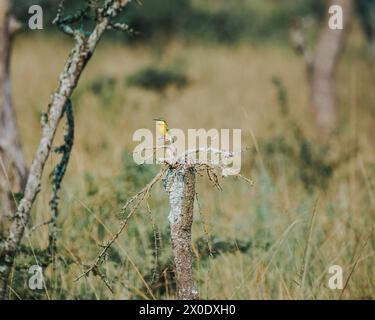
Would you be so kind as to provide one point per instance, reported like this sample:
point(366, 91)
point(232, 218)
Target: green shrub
point(231, 21)
point(152, 78)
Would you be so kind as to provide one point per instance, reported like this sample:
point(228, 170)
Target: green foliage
point(231, 21)
point(156, 18)
point(157, 79)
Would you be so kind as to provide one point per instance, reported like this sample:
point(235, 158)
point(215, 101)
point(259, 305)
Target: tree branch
point(78, 58)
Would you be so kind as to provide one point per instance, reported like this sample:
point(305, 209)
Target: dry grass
point(229, 88)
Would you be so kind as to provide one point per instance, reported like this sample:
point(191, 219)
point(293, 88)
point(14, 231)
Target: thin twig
point(138, 199)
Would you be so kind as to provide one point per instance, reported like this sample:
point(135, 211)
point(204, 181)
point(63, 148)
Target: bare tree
point(85, 44)
point(13, 170)
point(322, 64)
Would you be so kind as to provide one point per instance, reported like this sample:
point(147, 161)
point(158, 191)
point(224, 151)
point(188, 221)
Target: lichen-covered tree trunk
point(13, 170)
point(324, 65)
point(180, 184)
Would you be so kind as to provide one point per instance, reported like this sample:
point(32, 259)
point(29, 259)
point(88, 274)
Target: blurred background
point(208, 64)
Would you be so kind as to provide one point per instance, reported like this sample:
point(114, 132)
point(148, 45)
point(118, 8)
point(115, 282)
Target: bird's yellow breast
point(162, 127)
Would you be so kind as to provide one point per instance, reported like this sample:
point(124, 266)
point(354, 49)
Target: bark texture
point(323, 68)
point(13, 169)
point(75, 64)
point(181, 188)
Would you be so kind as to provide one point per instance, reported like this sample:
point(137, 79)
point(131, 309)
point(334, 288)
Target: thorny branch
point(131, 205)
point(178, 174)
point(58, 175)
point(156, 248)
point(85, 44)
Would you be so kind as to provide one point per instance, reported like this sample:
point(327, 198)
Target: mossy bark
point(180, 184)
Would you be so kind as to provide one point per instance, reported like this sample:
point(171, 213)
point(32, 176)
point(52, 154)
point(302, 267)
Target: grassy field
point(273, 240)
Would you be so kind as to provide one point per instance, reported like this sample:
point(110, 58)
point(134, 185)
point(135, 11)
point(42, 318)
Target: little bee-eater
point(162, 127)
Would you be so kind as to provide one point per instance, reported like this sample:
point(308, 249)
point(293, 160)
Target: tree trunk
point(13, 170)
point(324, 65)
point(180, 183)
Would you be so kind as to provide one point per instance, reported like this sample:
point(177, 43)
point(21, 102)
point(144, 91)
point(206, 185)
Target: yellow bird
point(162, 126)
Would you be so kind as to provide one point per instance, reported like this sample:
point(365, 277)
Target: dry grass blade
point(355, 265)
point(307, 249)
